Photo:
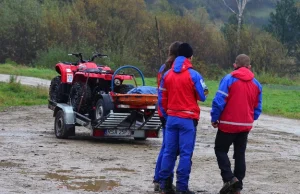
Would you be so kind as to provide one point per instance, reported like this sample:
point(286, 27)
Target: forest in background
point(40, 33)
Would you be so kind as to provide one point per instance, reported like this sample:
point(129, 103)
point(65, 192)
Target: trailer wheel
point(55, 92)
point(140, 138)
point(77, 91)
point(101, 110)
point(61, 129)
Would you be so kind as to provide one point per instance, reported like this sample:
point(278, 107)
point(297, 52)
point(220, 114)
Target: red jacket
point(179, 90)
point(237, 102)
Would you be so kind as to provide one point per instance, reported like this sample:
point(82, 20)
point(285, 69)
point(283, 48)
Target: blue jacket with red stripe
point(158, 79)
point(238, 102)
point(179, 90)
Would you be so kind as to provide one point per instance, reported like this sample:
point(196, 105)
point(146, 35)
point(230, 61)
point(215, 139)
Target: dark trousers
point(222, 144)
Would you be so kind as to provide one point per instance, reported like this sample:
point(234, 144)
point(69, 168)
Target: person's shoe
point(168, 191)
point(185, 192)
point(156, 187)
point(230, 186)
point(238, 191)
point(169, 187)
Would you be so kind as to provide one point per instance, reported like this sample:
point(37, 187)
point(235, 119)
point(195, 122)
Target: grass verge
point(27, 71)
point(15, 94)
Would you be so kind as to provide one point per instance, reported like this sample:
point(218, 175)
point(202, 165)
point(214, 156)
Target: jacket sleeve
point(159, 74)
point(163, 97)
point(258, 108)
point(199, 85)
point(219, 100)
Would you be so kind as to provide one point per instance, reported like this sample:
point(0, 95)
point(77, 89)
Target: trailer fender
point(69, 115)
point(109, 104)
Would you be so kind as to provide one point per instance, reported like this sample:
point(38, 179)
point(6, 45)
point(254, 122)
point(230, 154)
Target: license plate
point(69, 78)
point(117, 132)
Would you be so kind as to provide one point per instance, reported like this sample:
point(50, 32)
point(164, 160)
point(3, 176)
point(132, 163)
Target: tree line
point(42, 32)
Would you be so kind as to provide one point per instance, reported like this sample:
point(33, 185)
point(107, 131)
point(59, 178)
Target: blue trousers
point(180, 133)
point(160, 155)
point(159, 158)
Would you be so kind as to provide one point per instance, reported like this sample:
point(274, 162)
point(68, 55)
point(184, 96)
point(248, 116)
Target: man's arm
point(258, 108)
point(219, 100)
point(163, 96)
point(199, 85)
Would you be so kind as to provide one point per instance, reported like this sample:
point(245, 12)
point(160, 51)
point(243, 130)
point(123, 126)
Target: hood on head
point(181, 64)
point(243, 73)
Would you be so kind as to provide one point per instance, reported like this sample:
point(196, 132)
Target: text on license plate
point(117, 132)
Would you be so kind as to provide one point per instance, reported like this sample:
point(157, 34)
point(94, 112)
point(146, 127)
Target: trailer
point(114, 115)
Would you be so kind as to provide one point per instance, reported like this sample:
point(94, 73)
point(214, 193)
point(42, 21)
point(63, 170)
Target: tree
point(285, 24)
point(241, 4)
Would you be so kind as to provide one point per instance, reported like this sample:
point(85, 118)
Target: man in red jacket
point(180, 89)
point(238, 102)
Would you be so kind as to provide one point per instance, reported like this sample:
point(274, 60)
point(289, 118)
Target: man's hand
point(215, 124)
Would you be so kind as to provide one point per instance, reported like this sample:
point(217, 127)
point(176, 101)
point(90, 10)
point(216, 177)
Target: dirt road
point(34, 161)
point(30, 81)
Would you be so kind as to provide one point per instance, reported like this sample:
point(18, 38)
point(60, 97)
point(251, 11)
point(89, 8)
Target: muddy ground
point(34, 161)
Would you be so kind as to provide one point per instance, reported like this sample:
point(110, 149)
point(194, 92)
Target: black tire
point(140, 138)
point(55, 93)
point(79, 90)
point(123, 89)
point(62, 131)
point(101, 110)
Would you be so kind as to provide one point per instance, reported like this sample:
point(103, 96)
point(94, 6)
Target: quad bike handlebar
point(78, 55)
point(81, 60)
point(98, 55)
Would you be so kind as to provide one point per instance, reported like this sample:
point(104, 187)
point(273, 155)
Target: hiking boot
point(168, 190)
point(230, 186)
point(238, 191)
point(156, 187)
point(169, 187)
point(185, 192)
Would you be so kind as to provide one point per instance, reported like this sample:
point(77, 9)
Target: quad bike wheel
point(62, 131)
point(55, 91)
point(123, 89)
point(80, 95)
point(101, 110)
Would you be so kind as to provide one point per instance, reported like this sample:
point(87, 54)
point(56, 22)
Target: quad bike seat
point(92, 70)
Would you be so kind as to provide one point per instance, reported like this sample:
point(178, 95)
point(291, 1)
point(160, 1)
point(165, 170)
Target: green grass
point(15, 94)
point(281, 96)
point(281, 100)
point(27, 71)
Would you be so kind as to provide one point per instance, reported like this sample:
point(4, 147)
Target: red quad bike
point(81, 83)
point(98, 100)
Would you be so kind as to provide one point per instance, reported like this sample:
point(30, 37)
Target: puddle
point(75, 168)
point(6, 164)
point(64, 171)
point(119, 169)
point(96, 186)
point(78, 182)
